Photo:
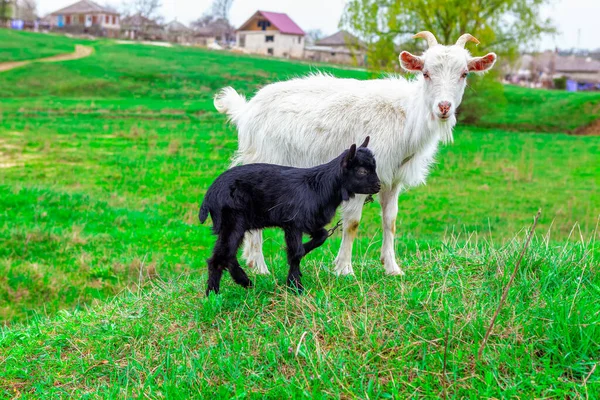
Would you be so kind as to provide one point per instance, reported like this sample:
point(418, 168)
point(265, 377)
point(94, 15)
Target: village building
point(340, 48)
point(216, 34)
point(138, 27)
point(177, 32)
point(85, 16)
point(271, 33)
point(547, 68)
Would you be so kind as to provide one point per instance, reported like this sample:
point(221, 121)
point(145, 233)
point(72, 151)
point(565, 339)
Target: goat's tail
point(230, 102)
point(203, 215)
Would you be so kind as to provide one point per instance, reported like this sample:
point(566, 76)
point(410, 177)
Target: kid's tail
point(203, 215)
point(230, 102)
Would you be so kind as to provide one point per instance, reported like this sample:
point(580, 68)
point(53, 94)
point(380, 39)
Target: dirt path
point(80, 52)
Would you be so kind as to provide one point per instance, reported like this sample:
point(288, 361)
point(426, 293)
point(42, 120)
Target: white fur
point(308, 121)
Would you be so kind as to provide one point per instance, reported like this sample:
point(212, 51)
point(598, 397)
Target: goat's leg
point(388, 197)
point(317, 240)
point(253, 253)
point(295, 252)
point(216, 264)
point(351, 213)
point(237, 273)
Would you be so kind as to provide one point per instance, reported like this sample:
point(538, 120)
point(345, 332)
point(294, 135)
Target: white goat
point(308, 121)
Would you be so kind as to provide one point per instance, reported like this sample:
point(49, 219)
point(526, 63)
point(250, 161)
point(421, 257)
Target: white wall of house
point(282, 45)
point(109, 21)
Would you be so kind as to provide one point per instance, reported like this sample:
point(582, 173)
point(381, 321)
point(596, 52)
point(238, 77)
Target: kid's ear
point(366, 142)
point(349, 156)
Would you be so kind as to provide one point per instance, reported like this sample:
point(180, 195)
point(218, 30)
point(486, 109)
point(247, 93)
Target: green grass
point(20, 46)
point(102, 262)
point(545, 110)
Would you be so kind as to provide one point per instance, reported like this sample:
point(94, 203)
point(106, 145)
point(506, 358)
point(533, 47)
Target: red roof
point(281, 21)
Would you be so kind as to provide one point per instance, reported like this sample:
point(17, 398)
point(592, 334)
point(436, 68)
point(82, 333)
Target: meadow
point(104, 161)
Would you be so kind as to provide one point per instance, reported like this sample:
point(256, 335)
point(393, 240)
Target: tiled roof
point(85, 6)
point(281, 21)
point(341, 38)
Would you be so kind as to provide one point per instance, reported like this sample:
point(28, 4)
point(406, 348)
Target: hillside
point(103, 163)
point(186, 78)
point(20, 46)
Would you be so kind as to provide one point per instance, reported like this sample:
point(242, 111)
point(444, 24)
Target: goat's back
point(308, 121)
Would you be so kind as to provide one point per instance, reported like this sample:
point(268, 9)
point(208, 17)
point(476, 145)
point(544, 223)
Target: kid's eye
point(426, 75)
point(464, 75)
point(362, 171)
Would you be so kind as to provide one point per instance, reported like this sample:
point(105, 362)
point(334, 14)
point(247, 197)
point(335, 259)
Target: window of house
point(332, 53)
point(269, 38)
point(242, 41)
point(263, 24)
point(106, 19)
point(114, 20)
point(82, 19)
point(299, 39)
point(94, 19)
point(68, 20)
point(270, 51)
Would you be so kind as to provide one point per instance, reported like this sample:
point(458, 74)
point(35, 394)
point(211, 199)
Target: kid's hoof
point(296, 286)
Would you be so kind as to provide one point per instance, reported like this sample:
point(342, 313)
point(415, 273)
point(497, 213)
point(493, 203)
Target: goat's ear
point(345, 195)
point(410, 62)
point(482, 64)
point(366, 142)
point(349, 156)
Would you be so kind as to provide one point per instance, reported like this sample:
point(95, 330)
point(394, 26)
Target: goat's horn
point(467, 37)
point(431, 40)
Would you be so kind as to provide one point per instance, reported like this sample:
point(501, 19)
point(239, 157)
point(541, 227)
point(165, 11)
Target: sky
point(577, 20)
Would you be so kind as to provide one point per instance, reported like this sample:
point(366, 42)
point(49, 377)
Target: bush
point(484, 97)
point(560, 83)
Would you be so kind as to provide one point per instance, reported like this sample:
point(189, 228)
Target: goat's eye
point(464, 75)
point(426, 75)
point(362, 171)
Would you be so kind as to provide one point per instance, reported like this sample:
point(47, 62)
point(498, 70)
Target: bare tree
point(145, 8)
point(221, 8)
point(313, 35)
point(202, 22)
point(27, 10)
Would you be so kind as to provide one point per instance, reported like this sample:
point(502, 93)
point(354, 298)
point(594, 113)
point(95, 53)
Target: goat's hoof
point(343, 268)
point(392, 268)
point(259, 268)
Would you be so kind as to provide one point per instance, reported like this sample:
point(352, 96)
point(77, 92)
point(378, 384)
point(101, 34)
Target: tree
point(220, 9)
point(145, 8)
point(501, 25)
point(6, 9)
point(27, 10)
point(313, 35)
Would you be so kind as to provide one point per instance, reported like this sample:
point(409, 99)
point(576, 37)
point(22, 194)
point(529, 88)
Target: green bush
point(560, 83)
point(484, 97)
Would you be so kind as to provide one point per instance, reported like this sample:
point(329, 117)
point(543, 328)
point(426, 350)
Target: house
point(138, 27)
point(271, 33)
point(341, 48)
point(544, 69)
point(177, 32)
point(218, 32)
point(85, 16)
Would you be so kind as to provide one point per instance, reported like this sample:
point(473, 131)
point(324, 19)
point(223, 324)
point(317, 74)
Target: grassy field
point(20, 46)
point(102, 261)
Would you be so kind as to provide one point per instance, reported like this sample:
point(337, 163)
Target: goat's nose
point(444, 107)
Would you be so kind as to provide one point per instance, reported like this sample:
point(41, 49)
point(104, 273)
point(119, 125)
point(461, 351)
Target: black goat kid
point(299, 200)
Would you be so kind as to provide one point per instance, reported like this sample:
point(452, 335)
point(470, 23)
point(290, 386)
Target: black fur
point(298, 200)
